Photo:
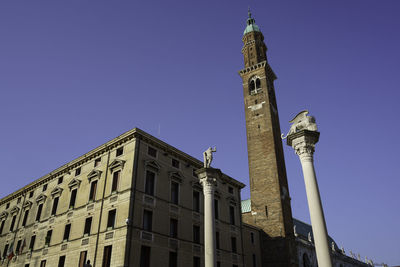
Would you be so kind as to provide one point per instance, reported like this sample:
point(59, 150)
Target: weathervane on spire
point(248, 12)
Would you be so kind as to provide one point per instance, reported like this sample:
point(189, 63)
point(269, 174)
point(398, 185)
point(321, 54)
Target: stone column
point(303, 142)
point(208, 178)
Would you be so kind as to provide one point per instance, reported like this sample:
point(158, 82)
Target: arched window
point(258, 83)
point(251, 87)
point(254, 85)
point(306, 260)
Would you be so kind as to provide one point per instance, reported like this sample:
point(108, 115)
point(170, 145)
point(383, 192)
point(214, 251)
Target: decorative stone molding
point(75, 183)
point(14, 210)
point(152, 165)
point(117, 164)
point(94, 174)
point(56, 192)
point(27, 204)
point(176, 176)
point(3, 215)
point(41, 198)
point(231, 200)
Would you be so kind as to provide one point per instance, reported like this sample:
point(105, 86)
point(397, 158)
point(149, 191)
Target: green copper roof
point(251, 25)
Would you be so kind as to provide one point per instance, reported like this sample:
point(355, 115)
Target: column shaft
point(209, 226)
point(316, 212)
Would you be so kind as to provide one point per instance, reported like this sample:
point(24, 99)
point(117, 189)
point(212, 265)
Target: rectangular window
point(61, 261)
point(60, 180)
point(145, 256)
point(25, 219)
point(73, 198)
point(19, 200)
point(152, 152)
point(149, 186)
point(174, 192)
point(93, 188)
point(78, 171)
point(115, 180)
point(97, 162)
point(173, 228)
point(196, 201)
point(266, 211)
point(196, 261)
point(39, 212)
point(233, 244)
point(111, 218)
point(13, 223)
point(31, 194)
point(27, 265)
point(67, 230)
point(32, 243)
point(147, 220)
point(218, 264)
point(7, 205)
point(254, 260)
point(217, 240)
point(232, 215)
point(18, 247)
point(175, 163)
point(82, 258)
point(88, 226)
point(230, 190)
point(216, 209)
point(120, 151)
point(44, 187)
point(107, 256)
point(5, 251)
point(43, 263)
point(173, 259)
point(196, 234)
point(2, 226)
point(252, 238)
point(194, 172)
point(48, 237)
point(55, 205)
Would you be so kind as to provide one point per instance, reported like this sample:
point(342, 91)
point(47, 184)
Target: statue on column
point(208, 156)
point(301, 122)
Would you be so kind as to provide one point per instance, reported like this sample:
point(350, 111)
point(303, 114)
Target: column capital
point(208, 178)
point(303, 143)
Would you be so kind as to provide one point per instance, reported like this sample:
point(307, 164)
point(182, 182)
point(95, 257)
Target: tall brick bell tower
point(270, 200)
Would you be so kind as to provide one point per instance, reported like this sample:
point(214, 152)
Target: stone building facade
point(137, 201)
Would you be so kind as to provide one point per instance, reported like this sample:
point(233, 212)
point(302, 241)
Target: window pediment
point(231, 200)
point(196, 185)
point(3, 215)
point(27, 204)
point(177, 176)
point(94, 174)
point(152, 165)
point(41, 198)
point(116, 164)
point(74, 183)
point(14, 210)
point(56, 192)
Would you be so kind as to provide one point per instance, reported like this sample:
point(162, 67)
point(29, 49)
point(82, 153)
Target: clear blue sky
point(75, 74)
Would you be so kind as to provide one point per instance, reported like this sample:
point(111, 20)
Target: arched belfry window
point(254, 85)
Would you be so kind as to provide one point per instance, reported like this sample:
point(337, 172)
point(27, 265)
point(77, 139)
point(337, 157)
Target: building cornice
point(94, 153)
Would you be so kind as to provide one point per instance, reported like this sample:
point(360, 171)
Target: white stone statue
point(208, 156)
point(309, 237)
point(301, 122)
point(333, 246)
point(294, 230)
point(342, 249)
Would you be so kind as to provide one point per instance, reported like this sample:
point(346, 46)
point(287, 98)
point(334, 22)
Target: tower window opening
point(254, 85)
